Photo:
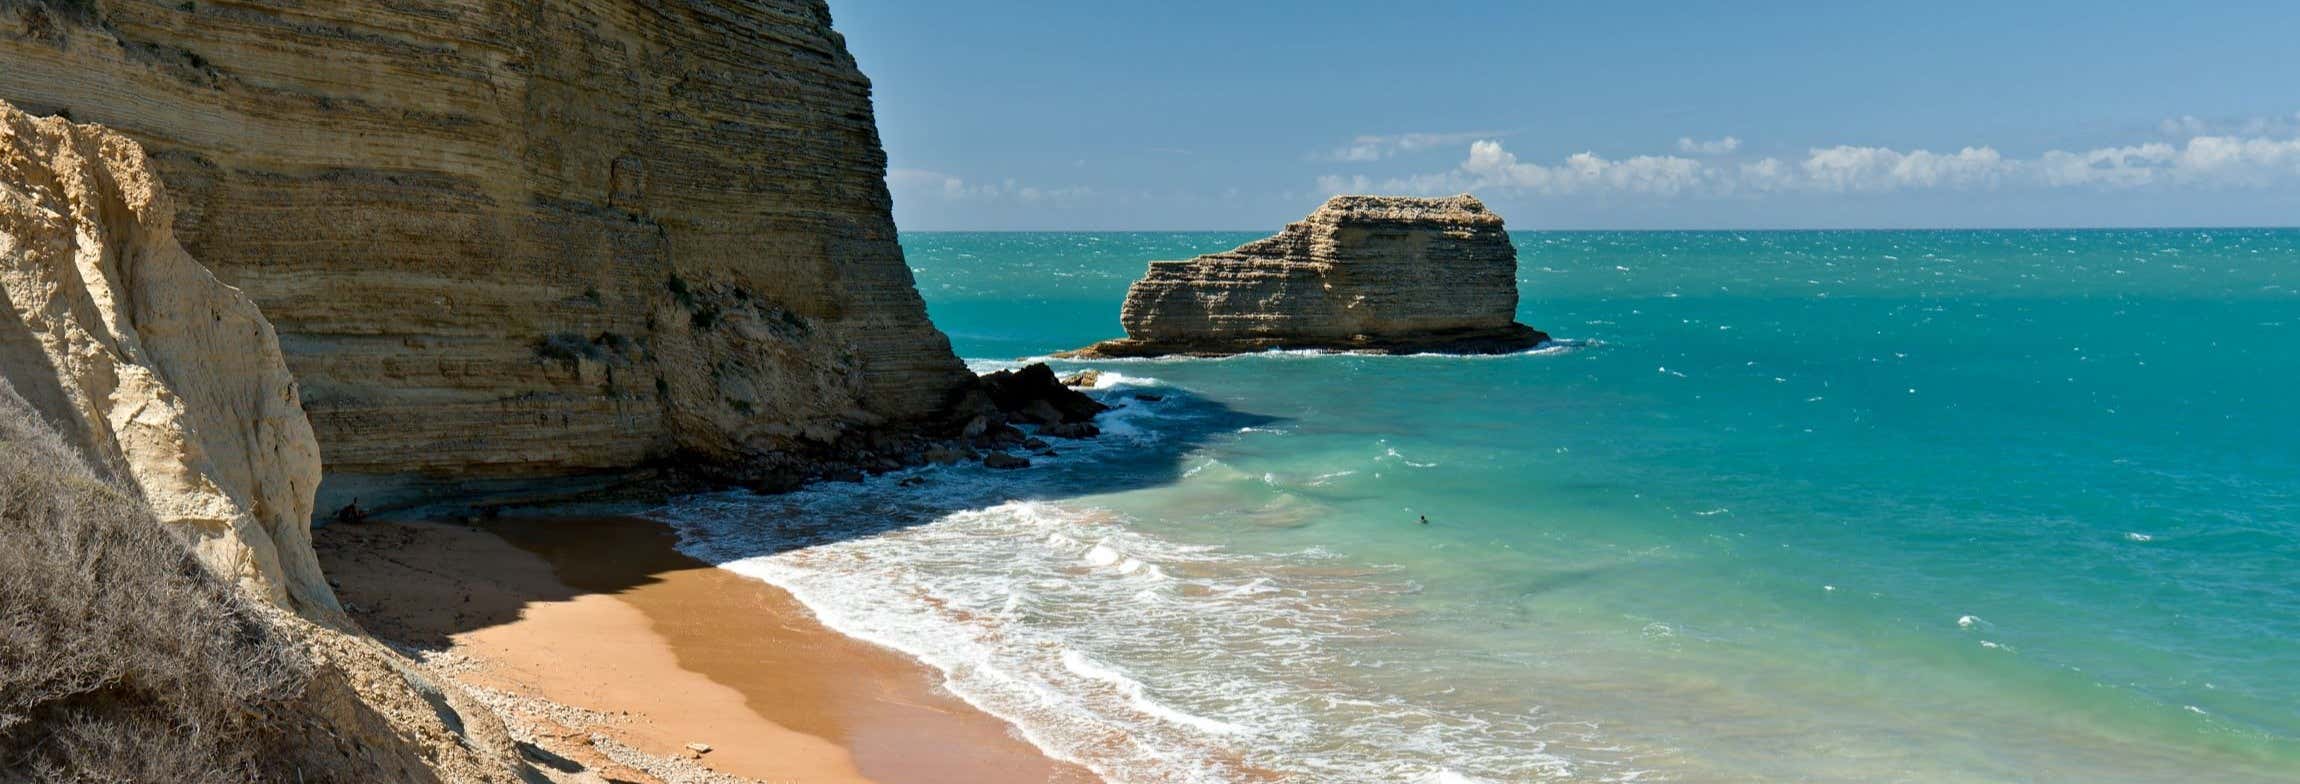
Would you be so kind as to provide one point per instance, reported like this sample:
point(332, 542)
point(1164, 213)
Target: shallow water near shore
point(1777, 506)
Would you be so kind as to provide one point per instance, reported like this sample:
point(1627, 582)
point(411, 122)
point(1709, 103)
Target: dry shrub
point(121, 659)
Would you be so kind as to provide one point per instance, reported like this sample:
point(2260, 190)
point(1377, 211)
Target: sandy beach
point(611, 652)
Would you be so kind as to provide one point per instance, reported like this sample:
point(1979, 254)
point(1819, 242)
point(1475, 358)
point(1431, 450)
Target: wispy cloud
point(2198, 161)
point(922, 183)
point(1491, 167)
point(2189, 126)
point(1368, 148)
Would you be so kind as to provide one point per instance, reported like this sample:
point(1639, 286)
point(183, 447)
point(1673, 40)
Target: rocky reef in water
point(512, 246)
point(1387, 274)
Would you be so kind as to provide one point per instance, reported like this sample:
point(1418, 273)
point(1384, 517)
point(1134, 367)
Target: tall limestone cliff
point(1362, 273)
point(517, 239)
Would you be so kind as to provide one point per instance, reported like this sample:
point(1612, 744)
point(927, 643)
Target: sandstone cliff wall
point(521, 238)
point(168, 379)
point(1361, 273)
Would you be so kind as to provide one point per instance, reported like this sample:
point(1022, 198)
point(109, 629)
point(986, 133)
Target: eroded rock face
point(509, 239)
point(170, 381)
point(1364, 273)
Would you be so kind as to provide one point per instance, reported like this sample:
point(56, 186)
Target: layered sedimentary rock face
point(505, 238)
point(1366, 273)
point(166, 379)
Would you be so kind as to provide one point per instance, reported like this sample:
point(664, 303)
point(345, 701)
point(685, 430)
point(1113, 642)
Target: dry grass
point(121, 659)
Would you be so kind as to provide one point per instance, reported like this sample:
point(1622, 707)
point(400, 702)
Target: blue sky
point(1180, 114)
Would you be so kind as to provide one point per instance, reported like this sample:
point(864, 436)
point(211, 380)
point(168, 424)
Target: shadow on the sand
point(419, 583)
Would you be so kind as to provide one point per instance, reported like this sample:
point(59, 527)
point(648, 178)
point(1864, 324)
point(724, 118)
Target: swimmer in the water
point(1425, 519)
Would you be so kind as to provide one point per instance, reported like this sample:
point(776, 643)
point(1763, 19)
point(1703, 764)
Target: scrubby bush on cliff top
point(121, 659)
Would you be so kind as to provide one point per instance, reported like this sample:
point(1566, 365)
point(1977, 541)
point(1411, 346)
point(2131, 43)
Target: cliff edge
point(518, 241)
point(1387, 274)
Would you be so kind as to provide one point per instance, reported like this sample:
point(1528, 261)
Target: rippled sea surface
point(1777, 506)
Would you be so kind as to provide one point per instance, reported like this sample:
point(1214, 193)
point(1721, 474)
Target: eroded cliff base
point(1014, 414)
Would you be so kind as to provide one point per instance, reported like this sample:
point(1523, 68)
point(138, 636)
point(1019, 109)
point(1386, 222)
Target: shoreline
point(597, 638)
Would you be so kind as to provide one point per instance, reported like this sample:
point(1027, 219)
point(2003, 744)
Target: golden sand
point(604, 615)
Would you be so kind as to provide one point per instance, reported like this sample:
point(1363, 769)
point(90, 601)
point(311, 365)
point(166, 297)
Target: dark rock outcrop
point(1363, 273)
point(1034, 395)
point(1071, 430)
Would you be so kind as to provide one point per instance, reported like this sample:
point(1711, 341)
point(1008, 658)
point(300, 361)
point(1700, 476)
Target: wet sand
point(604, 615)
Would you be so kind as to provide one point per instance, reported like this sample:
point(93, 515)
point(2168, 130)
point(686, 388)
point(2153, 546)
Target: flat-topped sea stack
point(1384, 274)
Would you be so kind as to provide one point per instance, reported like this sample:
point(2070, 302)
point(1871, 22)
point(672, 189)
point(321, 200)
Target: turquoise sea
point(1926, 506)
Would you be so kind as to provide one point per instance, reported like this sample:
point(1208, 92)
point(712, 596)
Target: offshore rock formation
point(508, 239)
point(168, 379)
point(1363, 273)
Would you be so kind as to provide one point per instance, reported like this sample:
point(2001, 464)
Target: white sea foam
point(1102, 555)
point(1061, 618)
point(1111, 379)
point(1391, 453)
point(1444, 776)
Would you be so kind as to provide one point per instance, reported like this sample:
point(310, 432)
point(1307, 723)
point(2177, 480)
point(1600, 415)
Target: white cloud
point(2228, 160)
point(2122, 167)
point(2183, 126)
point(2201, 161)
point(1489, 164)
point(1847, 168)
point(921, 183)
point(1369, 148)
point(1687, 144)
point(1358, 151)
